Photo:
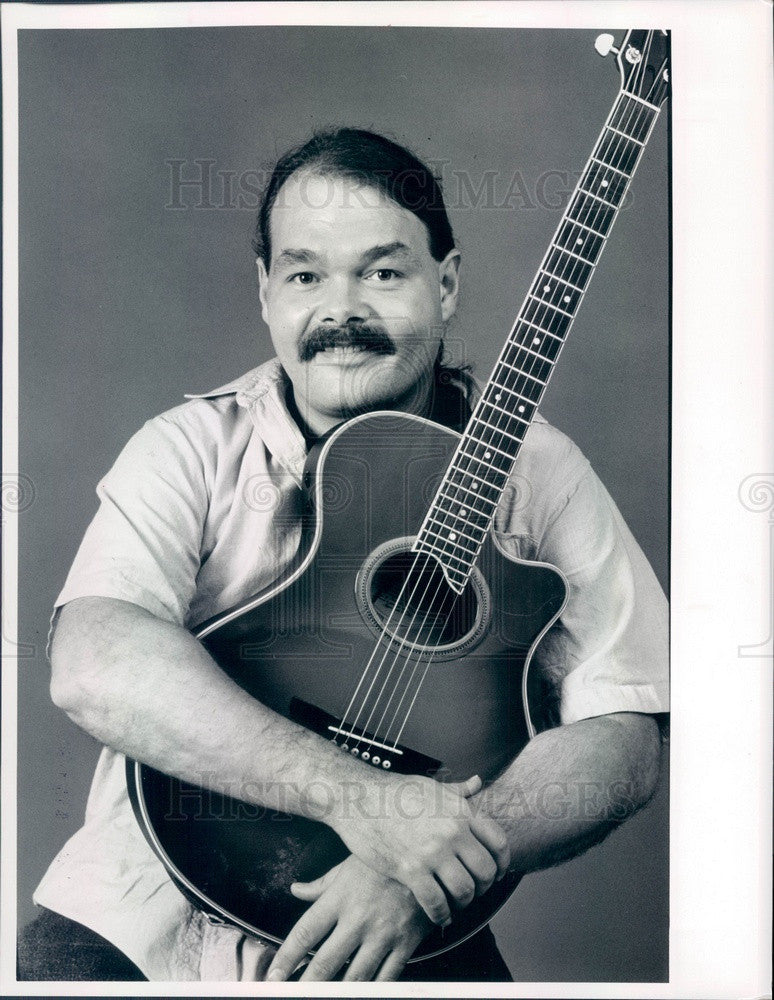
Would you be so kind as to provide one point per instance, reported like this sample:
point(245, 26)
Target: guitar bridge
point(362, 744)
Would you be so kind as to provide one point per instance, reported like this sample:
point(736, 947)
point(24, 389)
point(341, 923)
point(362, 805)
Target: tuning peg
point(604, 44)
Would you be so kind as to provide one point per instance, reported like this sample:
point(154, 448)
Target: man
point(359, 276)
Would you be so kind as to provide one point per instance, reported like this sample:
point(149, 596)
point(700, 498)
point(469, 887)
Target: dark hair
point(372, 160)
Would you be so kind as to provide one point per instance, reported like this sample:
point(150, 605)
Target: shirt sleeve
point(609, 650)
point(144, 542)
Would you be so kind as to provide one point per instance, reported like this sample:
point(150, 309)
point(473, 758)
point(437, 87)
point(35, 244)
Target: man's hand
point(424, 834)
point(357, 914)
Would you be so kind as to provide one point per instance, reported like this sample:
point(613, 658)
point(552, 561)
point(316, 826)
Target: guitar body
point(304, 646)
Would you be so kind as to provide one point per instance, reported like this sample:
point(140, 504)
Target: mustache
point(362, 335)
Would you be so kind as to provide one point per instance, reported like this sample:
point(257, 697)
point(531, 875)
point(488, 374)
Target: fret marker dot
point(566, 298)
point(452, 536)
point(546, 288)
point(520, 409)
point(463, 512)
point(487, 454)
point(536, 340)
point(604, 184)
point(499, 394)
point(578, 242)
point(474, 486)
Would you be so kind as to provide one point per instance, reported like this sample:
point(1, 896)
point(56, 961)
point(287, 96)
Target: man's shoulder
point(222, 409)
point(550, 464)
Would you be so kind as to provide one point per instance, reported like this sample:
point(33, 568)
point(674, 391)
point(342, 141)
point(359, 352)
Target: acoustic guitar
point(403, 632)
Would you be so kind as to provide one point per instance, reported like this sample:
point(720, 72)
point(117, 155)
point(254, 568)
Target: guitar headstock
point(643, 61)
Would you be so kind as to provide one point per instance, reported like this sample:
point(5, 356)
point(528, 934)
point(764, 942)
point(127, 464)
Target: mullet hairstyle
point(373, 161)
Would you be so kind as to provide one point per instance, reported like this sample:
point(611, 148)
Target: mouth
point(345, 355)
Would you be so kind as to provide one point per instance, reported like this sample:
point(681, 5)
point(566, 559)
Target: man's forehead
point(311, 210)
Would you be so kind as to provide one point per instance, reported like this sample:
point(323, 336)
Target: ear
point(449, 275)
point(263, 282)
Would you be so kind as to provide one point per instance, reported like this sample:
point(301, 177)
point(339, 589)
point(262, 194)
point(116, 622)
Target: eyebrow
point(299, 255)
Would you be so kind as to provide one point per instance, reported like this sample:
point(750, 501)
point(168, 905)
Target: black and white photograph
point(347, 392)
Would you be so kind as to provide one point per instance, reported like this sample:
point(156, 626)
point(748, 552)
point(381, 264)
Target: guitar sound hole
point(406, 594)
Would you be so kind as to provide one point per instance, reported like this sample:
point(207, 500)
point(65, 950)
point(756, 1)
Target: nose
point(342, 302)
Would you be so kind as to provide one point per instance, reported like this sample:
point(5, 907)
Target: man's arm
point(569, 787)
point(149, 689)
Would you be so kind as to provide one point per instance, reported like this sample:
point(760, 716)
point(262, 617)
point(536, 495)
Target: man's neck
point(314, 424)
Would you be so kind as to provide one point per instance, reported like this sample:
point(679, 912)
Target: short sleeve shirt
point(201, 510)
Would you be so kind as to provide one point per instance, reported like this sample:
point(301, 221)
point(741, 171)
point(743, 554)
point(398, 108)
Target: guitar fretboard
point(462, 511)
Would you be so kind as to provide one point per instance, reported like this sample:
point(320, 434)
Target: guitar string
point(431, 603)
point(401, 641)
point(593, 217)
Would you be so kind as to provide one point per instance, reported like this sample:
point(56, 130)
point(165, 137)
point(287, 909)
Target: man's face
point(355, 302)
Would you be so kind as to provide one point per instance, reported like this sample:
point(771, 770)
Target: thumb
point(466, 788)
point(310, 891)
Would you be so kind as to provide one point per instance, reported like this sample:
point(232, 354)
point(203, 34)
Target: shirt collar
point(263, 392)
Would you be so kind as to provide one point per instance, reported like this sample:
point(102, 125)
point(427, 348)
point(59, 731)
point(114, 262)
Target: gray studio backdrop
point(135, 289)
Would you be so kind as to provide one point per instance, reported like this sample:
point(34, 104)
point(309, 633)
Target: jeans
point(54, 947)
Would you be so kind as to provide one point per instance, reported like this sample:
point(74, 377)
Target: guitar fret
point(508, 413)
point(537, 354)
point(528, 322)
point(629, 137)
point(457, 531)
point(490, 447)
point(518, 395)
point(597, 198)
point(484, 482)
point(440, 515)
point(635, 97)
point(446, 540)
point(513, 368)
point(472, 458)
point(446, 555)
point(583, 225)
point(564, 281)
point(608, 166)
point(573, 254)
point(545, 302)
point(472, 493)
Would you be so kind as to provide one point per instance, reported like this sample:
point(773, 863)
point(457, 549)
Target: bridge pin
point(365, 755)
point(376, 760)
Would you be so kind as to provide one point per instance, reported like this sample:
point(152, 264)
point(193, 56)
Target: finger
point(492, 836)
point(314, 889)
point(330, 959)
point(466, 788)
point(481, 866)
point(365, 963)
point(457, 881)
point(393, 967)
point(432, 899)
point(304, 936)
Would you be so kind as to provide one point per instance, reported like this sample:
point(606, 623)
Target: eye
point(303, 278)
point(384, 275)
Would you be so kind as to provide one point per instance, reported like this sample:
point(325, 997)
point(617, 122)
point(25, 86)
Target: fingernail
point(275, 975)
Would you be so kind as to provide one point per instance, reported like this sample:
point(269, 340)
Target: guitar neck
point(462, 511)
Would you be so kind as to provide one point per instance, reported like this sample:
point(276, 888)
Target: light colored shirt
point(199, 512)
